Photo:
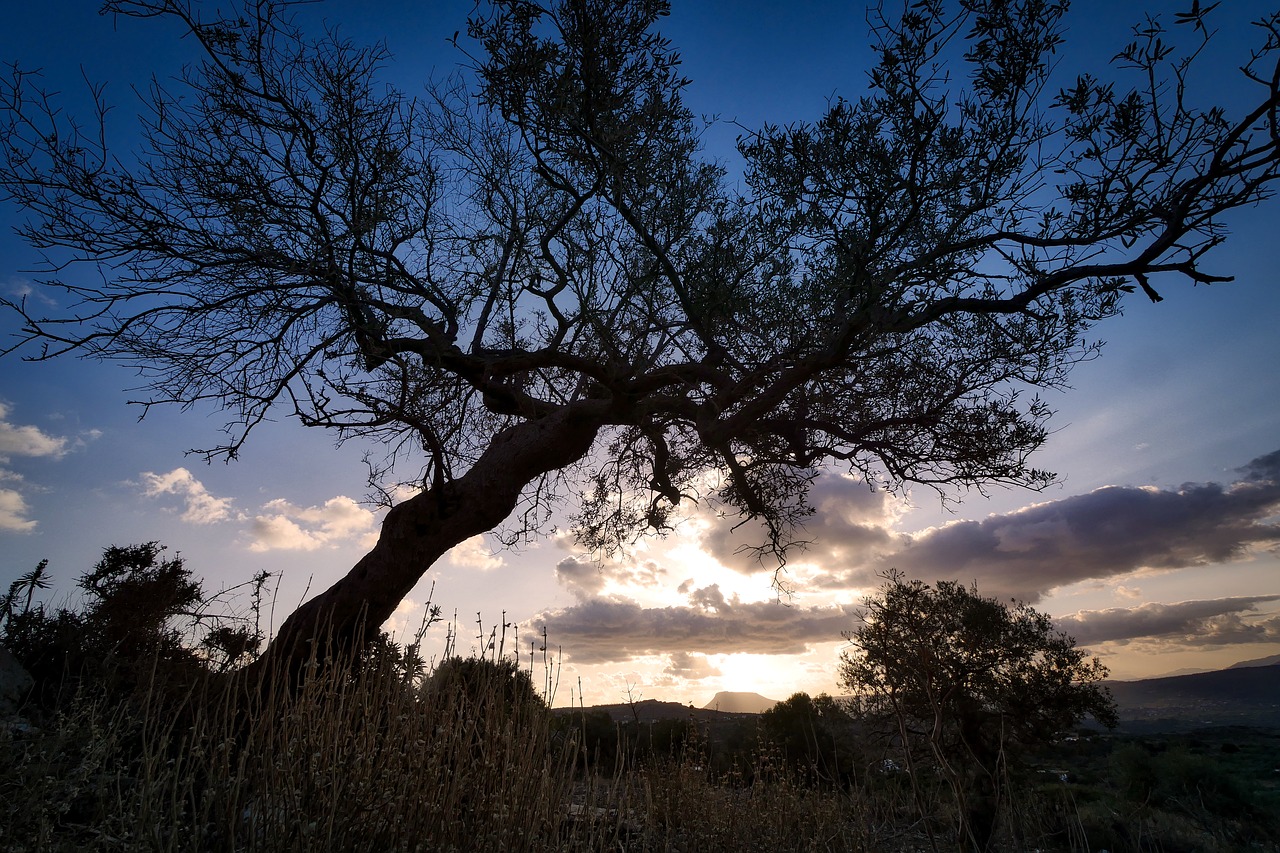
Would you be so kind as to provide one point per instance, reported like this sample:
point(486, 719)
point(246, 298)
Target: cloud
point(22, 289)
point(602, 630)
point(280, 533)
point(28, 440)
point(1105, 533)
point(13, 512)
point(691, 666)
point(586, 578)
point(23, 441)
point(1264, 469)
point(1210, 622)
point(850, 525)
point(475, 553)
point(200, 507)
point(279, 525)
point(287, 527)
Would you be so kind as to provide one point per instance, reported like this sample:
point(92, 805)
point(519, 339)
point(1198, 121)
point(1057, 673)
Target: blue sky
point(1158, 549)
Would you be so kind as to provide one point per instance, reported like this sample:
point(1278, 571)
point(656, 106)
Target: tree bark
point(419, 531)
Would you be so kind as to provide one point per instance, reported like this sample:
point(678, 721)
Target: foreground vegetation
point(146, 740)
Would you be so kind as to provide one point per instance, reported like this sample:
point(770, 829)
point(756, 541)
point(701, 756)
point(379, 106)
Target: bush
point(145, 623)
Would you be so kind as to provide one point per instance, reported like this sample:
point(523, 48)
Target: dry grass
point(373, 761)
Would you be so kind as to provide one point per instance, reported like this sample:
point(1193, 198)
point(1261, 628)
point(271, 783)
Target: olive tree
point(968, 680)
point(532, 277)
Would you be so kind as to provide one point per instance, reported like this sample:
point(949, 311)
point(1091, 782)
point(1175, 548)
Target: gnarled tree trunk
point(420, 530)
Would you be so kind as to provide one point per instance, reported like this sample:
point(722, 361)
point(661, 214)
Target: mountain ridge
point(1241, 695)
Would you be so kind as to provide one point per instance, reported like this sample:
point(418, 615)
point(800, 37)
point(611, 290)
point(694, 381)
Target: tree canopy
point(967, 680)
point(533, 268)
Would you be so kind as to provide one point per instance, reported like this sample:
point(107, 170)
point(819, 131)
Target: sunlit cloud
point(14, 512)
point(475, 553)
point(1107, 533)
point(1212, 622)
point(28, 440)
point(283, 526)
point(278, 525)
point(624, 609)
point(604, 629)
point(280, 533)
point(586, 578)
point(199, 507)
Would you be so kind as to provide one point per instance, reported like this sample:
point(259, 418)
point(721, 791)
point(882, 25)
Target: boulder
point(15, 682)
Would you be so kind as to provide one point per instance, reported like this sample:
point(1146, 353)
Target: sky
point(1158, 549)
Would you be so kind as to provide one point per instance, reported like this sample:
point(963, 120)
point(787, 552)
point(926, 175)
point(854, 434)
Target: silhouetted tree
point(533, 271)
point(144, 622)
point(969, 680)
point(137, 605)
point(814, 734)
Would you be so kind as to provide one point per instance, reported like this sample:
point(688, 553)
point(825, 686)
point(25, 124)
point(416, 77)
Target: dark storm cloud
point(1201, 623)
point(600, 630)
point(1108, 532)
point(849, 525)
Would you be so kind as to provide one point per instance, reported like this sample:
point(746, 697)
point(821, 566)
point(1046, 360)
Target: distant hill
point(1188, 670)
point(652, 711)
point(1239, 696)
point(1267, 661)
point(1244, 695)
point(739, 703)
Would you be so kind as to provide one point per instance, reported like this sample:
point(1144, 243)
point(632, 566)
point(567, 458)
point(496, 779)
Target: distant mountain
point(1189, 670)
point(739, 703)
point(1247, 694)
point(1237, 696)
point(652, 711)
point(1267, 661)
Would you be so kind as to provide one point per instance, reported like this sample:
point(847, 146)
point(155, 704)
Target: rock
point(15, 682)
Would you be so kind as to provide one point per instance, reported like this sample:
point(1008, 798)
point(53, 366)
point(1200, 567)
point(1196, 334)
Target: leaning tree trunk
point(418, 532)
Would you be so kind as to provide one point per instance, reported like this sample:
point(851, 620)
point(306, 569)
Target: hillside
point(1244, 696)
point(1267, 661)
point(652, 711)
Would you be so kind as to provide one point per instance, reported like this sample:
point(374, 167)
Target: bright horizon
point(1159, 549)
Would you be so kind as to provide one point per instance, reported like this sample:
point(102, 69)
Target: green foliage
point(985, 672)
point(1173, 793)
point(814, 734)
point(597, 737)
point(1180, 780)
point(135, 601)
point(144, 622)
point(965, 680)
point(479, 684)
